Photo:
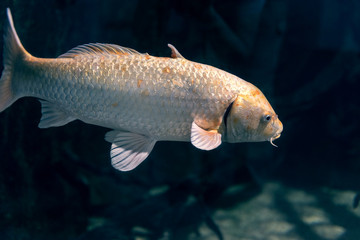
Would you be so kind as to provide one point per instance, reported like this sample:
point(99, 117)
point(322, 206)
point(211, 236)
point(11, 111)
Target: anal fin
point(203, 139)
point(53, 117)
point(128, 149)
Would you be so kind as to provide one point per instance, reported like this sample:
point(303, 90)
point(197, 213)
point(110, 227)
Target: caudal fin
point(13, 51)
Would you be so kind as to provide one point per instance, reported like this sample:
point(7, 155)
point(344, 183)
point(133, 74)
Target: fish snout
point(278, 124)
point(279, 128)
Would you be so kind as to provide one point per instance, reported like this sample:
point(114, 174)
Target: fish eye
point(267, 118)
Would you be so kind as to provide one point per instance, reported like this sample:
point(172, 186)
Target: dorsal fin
point(174, 52)
point(98, 48)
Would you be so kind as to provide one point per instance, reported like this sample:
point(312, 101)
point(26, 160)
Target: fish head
point(252, 119)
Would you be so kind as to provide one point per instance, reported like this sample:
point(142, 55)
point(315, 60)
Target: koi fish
point(143, 98)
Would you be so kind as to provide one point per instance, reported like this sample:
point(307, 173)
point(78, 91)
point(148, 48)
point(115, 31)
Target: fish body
point(145, 99)
point(129, 91)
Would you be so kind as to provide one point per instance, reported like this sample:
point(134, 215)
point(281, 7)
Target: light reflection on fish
point(143, 98)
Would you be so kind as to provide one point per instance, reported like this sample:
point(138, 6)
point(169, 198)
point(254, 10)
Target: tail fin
point(13, 50)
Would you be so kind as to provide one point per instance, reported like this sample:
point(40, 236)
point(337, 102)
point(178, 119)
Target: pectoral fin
point(52, 116)
point(128, 149)
point(205, 140)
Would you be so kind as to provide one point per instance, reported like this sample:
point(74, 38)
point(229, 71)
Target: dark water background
point(58, 183)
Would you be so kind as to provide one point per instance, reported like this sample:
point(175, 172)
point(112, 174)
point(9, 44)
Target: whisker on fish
point(271, 141)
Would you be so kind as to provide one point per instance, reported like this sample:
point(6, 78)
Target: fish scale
point(178, 104)
point(143, 98)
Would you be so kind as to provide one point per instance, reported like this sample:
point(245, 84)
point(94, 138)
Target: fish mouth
point(276, 136)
